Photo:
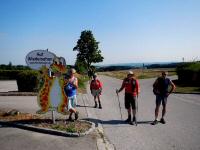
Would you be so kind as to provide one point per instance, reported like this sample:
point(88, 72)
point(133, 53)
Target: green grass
point(82, 79)
point(71, 127)
point(140, 73)
point(187, 89)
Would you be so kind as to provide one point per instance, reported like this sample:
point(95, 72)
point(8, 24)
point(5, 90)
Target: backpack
point(99, 83)
point(133, 84)
point(160, 87)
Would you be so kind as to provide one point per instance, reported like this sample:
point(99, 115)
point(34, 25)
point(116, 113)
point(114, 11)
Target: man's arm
point(173, 87)
point(122, 87)
point(155, 83)
point(137, 87)
point(75, 83)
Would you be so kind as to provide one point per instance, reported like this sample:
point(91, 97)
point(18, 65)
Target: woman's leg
point(95, 101)
point(99, 101)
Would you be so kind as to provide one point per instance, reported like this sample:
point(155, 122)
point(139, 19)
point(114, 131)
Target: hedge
point(27, 81)
point(9, 74)
point(189, 73)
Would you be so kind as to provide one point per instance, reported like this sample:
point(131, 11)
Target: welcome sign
point(51, 95)
point(38, 58)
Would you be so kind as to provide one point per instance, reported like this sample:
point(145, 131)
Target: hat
point(72, 70)
point(130, 72)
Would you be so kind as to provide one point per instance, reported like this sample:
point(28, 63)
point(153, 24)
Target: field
point(140, 73)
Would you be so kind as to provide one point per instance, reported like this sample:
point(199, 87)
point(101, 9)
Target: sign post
point(53, 116)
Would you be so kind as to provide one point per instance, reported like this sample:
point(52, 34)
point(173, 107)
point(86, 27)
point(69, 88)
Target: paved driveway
point(182, 131)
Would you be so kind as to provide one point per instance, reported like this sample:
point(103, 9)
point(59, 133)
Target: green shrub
point(189, 73)
point(27, 81)
point(9, 74)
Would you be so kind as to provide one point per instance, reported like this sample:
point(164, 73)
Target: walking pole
point(119, 104)
point(136, 115)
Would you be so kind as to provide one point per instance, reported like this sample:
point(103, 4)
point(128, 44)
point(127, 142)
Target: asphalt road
point(19, 139)
point(181, 132)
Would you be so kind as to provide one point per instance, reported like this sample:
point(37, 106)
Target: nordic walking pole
point(119, 103)
point(136, 115)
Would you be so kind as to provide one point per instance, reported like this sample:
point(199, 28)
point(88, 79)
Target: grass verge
point(15, 116)
point(82, 79)
point(185, 89)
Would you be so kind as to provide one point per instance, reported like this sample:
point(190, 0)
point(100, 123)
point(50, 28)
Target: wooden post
point(53, 116)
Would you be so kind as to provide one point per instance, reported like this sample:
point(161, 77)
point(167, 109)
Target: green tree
point(88, 50)
point(80, 67)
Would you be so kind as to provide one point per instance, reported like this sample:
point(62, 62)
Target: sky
point(129, 31)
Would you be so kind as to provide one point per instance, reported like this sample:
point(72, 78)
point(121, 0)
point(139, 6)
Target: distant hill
point(129, 66)
point(170, 65)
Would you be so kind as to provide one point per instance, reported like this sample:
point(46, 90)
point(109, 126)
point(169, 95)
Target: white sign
point(38, 58)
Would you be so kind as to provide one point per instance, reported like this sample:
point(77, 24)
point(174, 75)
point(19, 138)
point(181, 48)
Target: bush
point(189, 73)
point(9, 74)
point(27, 81)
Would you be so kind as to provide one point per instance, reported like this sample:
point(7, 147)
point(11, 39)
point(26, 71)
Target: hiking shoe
point(70, 118)
point(95, 106)
point(76, 115)
point(129, 119)
point(162, 120)
point(134, 119)
point(154, 122)
point(100, 106)
point(131, 122)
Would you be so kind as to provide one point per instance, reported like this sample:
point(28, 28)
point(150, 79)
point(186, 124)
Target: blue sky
point(128, 30)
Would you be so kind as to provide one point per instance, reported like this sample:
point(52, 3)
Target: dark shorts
point(160, 99)
point(129, 101)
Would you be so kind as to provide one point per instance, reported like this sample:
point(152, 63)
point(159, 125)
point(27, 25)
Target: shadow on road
point(84, 106)
point(112, 122)
point(145, 122)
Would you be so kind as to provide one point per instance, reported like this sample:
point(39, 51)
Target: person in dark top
point(162, 88)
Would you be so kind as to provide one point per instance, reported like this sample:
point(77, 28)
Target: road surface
point(181, 131)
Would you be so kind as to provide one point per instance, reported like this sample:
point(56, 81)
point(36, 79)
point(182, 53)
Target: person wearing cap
point(96, 90)
point(71, 91)
point(161, 90)
point(132, 90)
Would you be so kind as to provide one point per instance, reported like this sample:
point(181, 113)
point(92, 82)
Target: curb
point(49, 131)
point(103, 142)
point(18, 94)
